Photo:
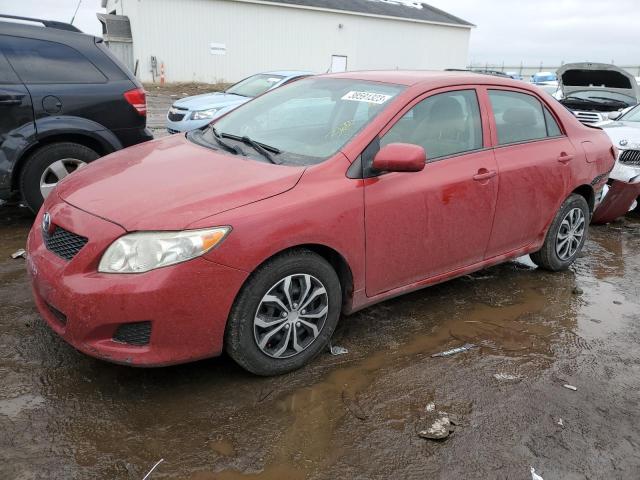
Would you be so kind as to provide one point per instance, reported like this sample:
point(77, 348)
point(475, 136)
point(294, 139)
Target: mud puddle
point(64, 415)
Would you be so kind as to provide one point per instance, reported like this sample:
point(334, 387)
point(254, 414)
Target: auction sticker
point(368, 97)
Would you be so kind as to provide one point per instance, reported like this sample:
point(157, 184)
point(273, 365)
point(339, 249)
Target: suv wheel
point(566, 236)
point(47, 166)
point(285, 314)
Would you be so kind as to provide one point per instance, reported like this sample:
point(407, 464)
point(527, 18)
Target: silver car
point(190, 113)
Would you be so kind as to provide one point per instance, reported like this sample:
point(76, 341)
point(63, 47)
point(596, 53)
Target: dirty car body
point(622, 192)
point(319, 198)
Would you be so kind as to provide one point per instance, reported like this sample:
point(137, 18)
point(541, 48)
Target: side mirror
point(613, 115)
point(400, 157)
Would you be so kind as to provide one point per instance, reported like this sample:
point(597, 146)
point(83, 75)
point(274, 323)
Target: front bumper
point(186, 125)
point(187, 304)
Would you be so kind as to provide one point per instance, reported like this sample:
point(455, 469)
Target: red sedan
point(316, 199)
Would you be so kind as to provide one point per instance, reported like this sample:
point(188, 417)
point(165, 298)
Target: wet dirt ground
point(160, 99)
point(356, 416)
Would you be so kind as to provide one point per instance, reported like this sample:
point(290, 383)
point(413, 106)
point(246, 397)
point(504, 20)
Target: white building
point(227, 40)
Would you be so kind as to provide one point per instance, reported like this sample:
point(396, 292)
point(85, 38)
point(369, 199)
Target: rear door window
point(519, 117)
point(444, 124)
point(43, 62)
point(7, 74)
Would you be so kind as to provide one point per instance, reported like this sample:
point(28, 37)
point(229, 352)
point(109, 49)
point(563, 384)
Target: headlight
point(204, 114)
point(144, 251)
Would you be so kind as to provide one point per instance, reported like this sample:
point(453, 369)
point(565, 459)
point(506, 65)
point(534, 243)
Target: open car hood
point(574, 77)
point(170, 183)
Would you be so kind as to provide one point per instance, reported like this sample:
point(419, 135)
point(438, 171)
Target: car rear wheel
point(47, 166)
point(566, 236)
point(285, 314)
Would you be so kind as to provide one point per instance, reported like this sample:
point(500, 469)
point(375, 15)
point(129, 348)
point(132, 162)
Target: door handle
point(11, 99)
point(484, 174)
point(565, 157)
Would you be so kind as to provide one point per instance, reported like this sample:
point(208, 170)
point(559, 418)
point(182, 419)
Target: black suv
point(65, 100)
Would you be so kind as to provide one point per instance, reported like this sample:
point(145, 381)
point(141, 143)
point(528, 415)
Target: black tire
point(240, 341)
point(547, 257)
point(40, 160)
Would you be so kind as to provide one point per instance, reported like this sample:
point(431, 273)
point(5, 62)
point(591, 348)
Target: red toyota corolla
point(316, 199)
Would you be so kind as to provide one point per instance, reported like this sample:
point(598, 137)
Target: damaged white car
point(595, 92)
point(622, 192)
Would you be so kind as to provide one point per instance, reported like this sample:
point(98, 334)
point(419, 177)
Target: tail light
point(137, 98)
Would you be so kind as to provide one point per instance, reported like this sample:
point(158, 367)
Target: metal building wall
point(257, 37)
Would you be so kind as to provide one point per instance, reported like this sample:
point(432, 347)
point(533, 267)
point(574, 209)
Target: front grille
point(630, 157)
point(588, 117)
point(177, 114)
point(137, 333)
point(63, 243)
point(58, 315)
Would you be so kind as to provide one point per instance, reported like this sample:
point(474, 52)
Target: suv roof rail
point(46, 23)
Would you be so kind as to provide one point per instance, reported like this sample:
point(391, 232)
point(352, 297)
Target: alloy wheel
point(291, 316)
point(56, 172)
point(570, 233)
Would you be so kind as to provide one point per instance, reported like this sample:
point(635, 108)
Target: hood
point(626, 132)
point(210, 100)
point(574, 77)
point(170, 183)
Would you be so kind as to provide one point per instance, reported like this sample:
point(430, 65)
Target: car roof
point(287, 73)
point(428, 78)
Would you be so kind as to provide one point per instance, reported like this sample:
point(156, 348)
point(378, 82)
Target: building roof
point(402, 9)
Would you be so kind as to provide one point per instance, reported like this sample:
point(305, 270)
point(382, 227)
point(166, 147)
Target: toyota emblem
point(46, 223)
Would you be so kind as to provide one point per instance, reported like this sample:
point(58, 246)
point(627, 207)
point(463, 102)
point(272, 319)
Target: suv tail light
point(137, 98)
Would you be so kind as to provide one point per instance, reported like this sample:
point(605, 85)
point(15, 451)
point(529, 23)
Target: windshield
point(632, 115)
point(255, 85)
point(602, 96)
point(308, 121)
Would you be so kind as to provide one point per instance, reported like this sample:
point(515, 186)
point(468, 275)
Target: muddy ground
point(66, 416)
point(160, 98)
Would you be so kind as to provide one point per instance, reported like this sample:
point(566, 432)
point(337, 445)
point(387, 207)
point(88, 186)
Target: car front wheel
point(566, 236)
point(285, 314)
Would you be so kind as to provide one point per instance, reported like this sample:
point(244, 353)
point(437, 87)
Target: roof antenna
point(75, 13)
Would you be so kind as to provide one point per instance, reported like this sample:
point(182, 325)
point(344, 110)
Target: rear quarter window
point(43, 62)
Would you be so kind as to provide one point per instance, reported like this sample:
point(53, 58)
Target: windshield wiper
point(578, 99)
point(612, 100)
point(261, 148)
point(230, 148)
point(596, 100)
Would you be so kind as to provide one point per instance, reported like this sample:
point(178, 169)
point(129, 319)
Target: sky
point(549, 31)
point(509, 31)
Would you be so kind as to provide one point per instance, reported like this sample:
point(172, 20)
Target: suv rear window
point(39, 61)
